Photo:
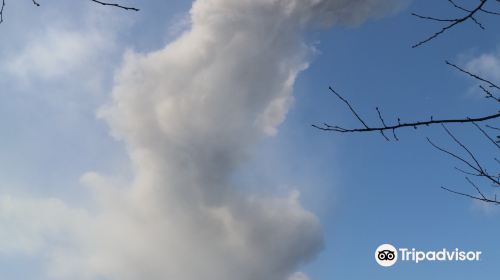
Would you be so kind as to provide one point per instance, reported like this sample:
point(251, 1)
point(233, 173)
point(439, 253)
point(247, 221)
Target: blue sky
point(61, 62)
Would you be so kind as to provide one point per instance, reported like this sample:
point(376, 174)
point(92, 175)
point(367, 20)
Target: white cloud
point(190, 114)
point(28, 224)
point(80, 52)
point(57, 53)
point(486, 65)
point(298, 276)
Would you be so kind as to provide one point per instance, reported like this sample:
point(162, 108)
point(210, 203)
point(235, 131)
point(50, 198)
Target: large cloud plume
point(189, 114)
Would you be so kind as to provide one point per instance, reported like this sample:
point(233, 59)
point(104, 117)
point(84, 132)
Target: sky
point(176, 142)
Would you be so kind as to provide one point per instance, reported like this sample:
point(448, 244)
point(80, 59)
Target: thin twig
point(385, 127)
point(95, 1)
point(477, 23)
point(453, 155)
point(1, 11)
point(473, 197)
point(490, 12)
point(116, 5)
point(463, 147)
point(481, 172)
point(489, 94)
point(492, 127)
point(452, 23)
point(459, 7)
point(486, 135)
point(327, 127)
point(349, 105)
point(383, 123)
point(432, 18)
point(467, 172)
point(474, 185)
point(475, 76)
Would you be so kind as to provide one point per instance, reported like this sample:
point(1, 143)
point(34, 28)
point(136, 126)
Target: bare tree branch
point(453, 22)
point(458, 6)
point(477, 169)
point(350, 107)
point(474, 185)
point(486, 134)
point(95, 1)
point(475, 76)
point(483, 199)
point(467, 172)
point(489, 94)
point(490, 12)
point(115, 5)
point(1, 11)
point(481, 172)
point(432, 18)
point(328, 127)
point(475, 165)
point(463, 147)
point(492, 127)
point(454, 155)
point(393, 127)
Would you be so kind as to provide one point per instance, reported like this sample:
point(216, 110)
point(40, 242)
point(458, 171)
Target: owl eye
point(381, 255)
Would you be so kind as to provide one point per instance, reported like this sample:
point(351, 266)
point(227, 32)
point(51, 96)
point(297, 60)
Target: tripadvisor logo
point(387, 255)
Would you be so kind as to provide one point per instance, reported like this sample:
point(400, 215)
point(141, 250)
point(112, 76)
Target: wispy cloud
point(189, 115)
point(62, 52)
point(298, 276)
point(486, 65)
point(58, 53)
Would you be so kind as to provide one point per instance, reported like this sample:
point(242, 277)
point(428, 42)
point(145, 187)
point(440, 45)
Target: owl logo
point(386, 255)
